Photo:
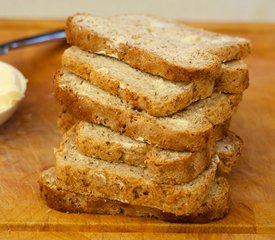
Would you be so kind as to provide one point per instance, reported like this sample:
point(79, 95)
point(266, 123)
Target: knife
point(5, 47)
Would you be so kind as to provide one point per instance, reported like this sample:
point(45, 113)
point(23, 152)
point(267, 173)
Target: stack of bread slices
point(147, 104)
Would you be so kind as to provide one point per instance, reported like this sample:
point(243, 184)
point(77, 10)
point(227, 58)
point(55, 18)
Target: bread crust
point(229, 154)
point(210, 58)
point(136, 124)
point(234, 79)
point(131, 123)
point(154, 107)
point(237, 72)
point(117, 181)
point(139, 58)
point(215, 206)
point(229, 157)
point(65, 120)
point(163, 166)
point(155, 179)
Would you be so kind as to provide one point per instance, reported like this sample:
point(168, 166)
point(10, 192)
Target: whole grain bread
point(156, 45)
point(234, 78)
point(164, 166)
point(155, 95)
point(65, 120)
point(229, 151)
point(229, 145)
point(190, 129)
point(129, 184)
point(215, 206)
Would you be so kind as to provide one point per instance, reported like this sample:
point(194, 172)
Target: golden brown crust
point(153, 63)
point(117, 181)
point(182, 170)
point(234, 79)
point(177, 171)
point(229, 157)
point(239, 78)
point(216, 205)
point(136, 124)
point(220, 130)
point(65, 120)
point(236, 51)
point(163, 166)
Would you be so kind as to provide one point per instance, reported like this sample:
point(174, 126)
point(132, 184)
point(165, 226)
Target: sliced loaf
point(190, 129)
point(129, 184)
point(215, 206)
point(155, 95)
point(155, 45)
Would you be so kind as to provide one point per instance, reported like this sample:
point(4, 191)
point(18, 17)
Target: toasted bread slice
point(155, 95)
point(190, 129)
point(164, 166)
point(131, 184)
point(228, 144)
point(65, 121)
point(155, 45)
point(215, 206)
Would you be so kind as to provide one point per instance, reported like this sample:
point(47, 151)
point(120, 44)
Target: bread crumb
point(101, 52)
point(103, 70)
point(101, 179)
point(141, 139)
point(120, 184)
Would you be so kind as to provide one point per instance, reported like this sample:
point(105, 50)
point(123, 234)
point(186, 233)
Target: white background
point(200, 10)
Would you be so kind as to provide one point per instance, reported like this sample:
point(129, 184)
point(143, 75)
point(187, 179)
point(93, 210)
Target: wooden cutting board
point(28, 139)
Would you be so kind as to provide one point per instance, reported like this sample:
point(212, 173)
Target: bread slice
point(155, 95)
point(155, 45)
point(215, 206)
point(190, 129)
point(229, 145)
point(234, 78)
point(229, 151)
point(129, 184)
point(163, 166)
point(65, 121)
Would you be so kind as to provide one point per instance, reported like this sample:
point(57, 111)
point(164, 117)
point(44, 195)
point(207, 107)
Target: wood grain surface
point(28, 139)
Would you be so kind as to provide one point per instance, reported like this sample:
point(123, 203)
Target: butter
point(9, 92)
point(12, 89)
